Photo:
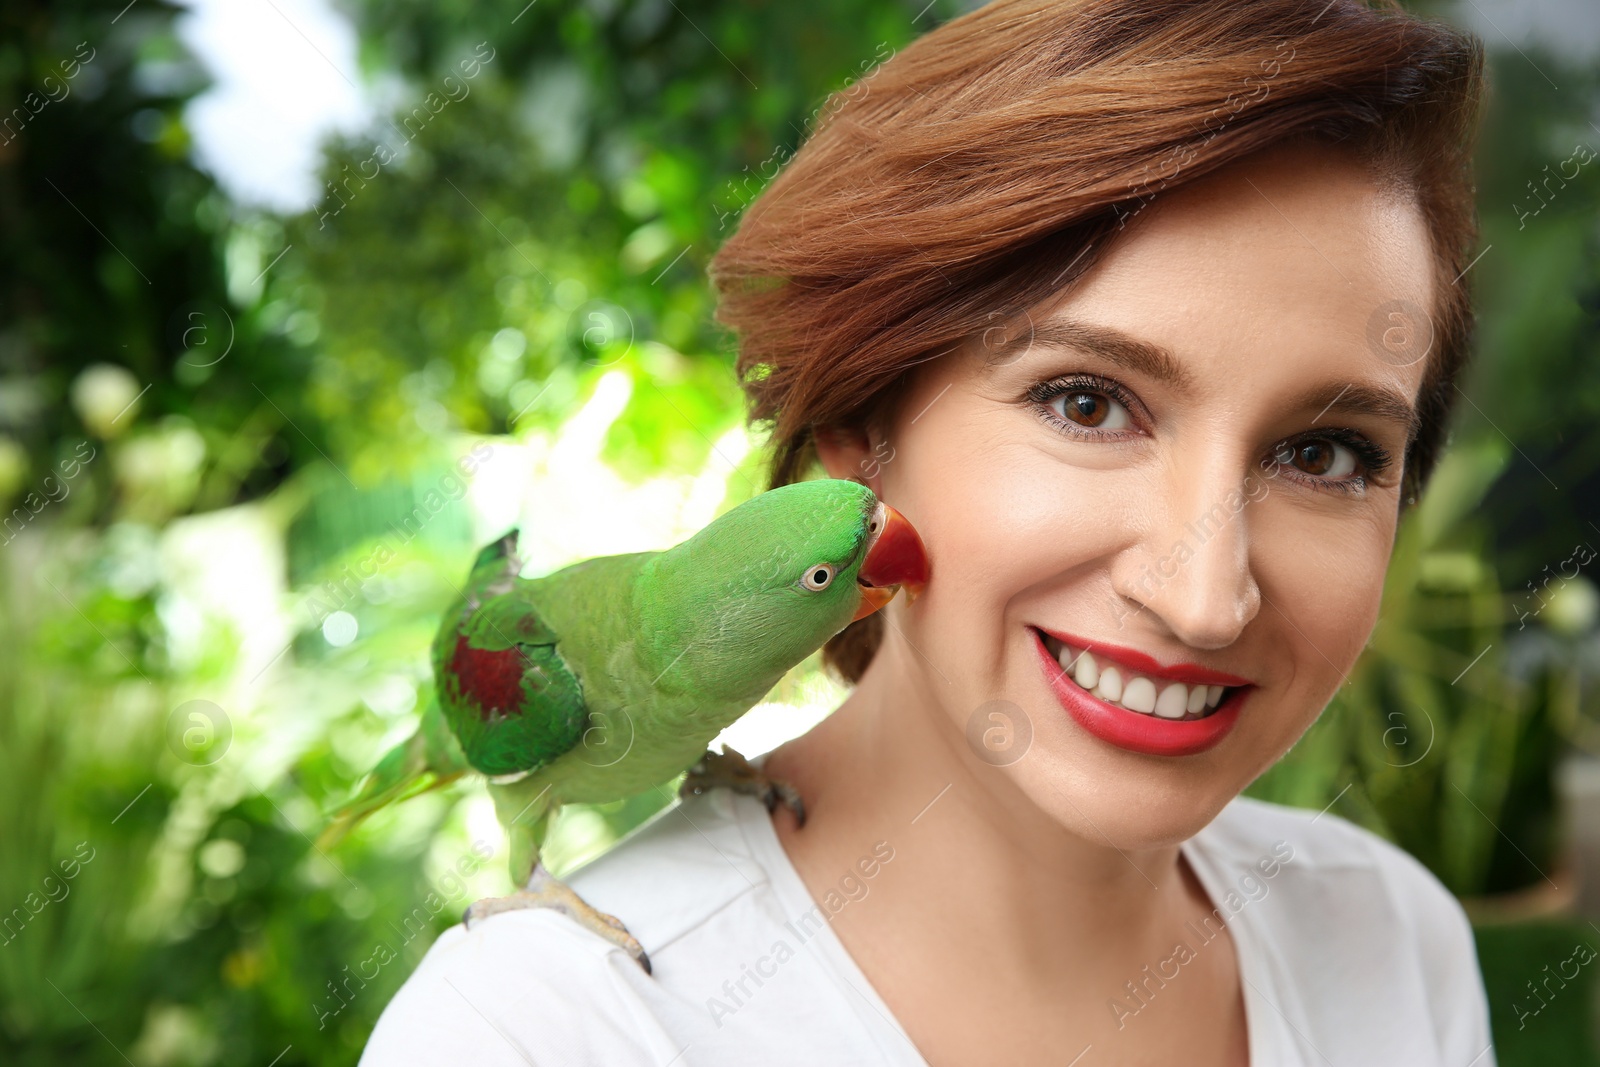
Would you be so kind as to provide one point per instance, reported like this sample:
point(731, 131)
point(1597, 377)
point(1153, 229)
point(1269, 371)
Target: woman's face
point(1195, 461)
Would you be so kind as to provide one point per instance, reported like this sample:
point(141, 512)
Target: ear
point(846, 453)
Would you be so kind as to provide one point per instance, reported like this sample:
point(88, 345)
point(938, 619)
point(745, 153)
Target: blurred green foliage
point(1537, 1016)
point(225, 568)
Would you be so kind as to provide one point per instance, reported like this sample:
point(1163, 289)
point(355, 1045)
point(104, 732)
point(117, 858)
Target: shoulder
point(672, 875)
point(519, 987)
point(533, 985)
point(1355, 916)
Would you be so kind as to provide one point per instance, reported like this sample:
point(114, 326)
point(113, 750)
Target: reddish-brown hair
point(992, 160)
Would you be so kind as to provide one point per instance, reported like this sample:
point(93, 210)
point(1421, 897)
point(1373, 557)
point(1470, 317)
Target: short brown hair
point(992, 160)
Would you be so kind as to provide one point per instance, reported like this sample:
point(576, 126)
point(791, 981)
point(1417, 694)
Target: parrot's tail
point(427, 760)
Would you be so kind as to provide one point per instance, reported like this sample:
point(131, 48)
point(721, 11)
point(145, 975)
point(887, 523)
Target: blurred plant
point(125, 274)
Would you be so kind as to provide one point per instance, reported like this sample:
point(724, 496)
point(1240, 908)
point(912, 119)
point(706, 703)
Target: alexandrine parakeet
point(612, 676)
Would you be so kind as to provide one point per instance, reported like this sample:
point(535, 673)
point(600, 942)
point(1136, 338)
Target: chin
point(1107, 807)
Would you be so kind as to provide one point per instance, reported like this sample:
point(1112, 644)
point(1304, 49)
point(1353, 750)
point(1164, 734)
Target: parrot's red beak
point(895, 557)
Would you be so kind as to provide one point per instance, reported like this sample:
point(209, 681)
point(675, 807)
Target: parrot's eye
point(818, 577)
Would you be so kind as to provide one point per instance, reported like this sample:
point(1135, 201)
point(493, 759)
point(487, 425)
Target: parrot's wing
point(505, 690)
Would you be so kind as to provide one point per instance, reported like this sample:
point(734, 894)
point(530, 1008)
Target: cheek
point(1007, 527)
point(995, 501)
point(1324, 580)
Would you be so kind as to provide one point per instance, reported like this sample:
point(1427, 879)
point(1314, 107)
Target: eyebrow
point(1148, 359)
point(1357, 398)
point(1154, 361)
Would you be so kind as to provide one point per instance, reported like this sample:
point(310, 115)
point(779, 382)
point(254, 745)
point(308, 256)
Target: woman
point(1147, 314)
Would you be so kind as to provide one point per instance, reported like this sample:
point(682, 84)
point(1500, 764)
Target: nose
point(1192, 571)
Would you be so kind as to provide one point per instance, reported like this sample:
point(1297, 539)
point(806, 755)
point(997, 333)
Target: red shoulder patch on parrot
point(490, 678)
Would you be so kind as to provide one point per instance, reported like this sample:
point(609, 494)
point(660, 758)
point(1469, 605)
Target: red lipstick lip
point(1133, 659)
point(1146, 734)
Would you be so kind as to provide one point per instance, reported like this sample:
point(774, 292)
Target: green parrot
point(613, 675)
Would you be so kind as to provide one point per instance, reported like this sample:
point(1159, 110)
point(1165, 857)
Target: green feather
point(611, 676)
point(427, 760)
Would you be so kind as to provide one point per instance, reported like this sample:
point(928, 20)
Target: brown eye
point(1094, 410)
point(1086, 409)
point(1320, 457)
point(1314, 457)
point(1074, 404)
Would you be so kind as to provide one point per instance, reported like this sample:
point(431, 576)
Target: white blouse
point(1350, 951)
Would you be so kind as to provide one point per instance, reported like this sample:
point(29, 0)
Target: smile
point(1127, 699)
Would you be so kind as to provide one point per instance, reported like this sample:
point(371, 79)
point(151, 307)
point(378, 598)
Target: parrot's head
point(770, 581)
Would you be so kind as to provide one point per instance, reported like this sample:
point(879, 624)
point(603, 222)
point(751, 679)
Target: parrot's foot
point(544, 890)
point(734, 771)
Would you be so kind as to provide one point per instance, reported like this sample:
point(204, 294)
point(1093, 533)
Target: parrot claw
point(544, 890)
point(728, 768)
point(777, 791)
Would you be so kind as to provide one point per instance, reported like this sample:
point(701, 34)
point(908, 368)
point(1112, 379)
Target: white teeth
point(1110, 687)
point(1173, 703)
point(1087, 673)
point(1139, 695)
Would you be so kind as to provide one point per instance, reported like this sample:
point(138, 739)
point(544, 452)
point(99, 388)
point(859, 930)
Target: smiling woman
point(1155, 310)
